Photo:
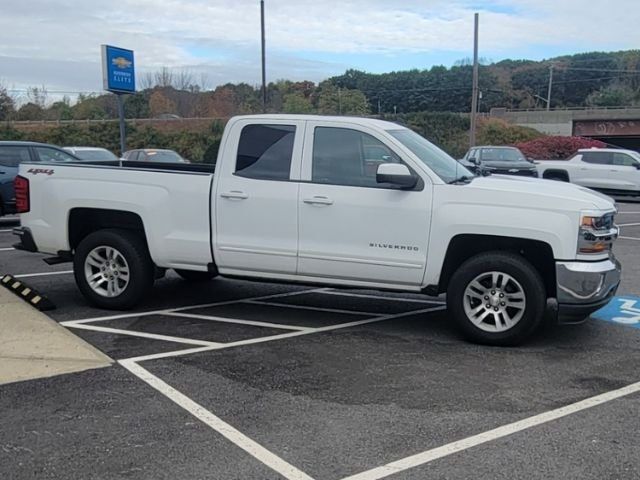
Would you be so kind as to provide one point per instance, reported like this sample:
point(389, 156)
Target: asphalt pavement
point(239, 380)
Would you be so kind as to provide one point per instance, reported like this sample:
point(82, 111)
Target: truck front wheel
point(497, 298)
point(113, 269)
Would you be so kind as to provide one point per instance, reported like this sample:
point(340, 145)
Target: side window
point(48, 154)
point(265, 151)
point(348, 157)
point(471, 154)
point(599, 158)
point(12, 156)
point(624, 160)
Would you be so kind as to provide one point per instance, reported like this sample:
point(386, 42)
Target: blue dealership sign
point(622, 310)
point(118, 71)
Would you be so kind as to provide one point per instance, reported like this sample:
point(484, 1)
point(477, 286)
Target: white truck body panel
point(278, 229)
point(618, 171)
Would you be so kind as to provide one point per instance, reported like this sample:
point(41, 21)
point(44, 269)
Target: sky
point(56, 43)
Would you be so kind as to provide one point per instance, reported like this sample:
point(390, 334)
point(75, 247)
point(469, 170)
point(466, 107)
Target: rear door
point(352, 227)
point(256, 209)
point(593, 169)
point(11, 156)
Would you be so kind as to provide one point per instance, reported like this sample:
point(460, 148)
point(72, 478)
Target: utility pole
point(549, 89)
point(264, 71)
point(339, 102)
point(379, 107)
point(474, 98)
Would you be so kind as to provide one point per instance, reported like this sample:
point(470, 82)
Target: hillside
point(589, 79)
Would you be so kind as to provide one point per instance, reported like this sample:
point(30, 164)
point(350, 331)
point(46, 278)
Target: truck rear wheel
point(113, 269)
point(497, 298)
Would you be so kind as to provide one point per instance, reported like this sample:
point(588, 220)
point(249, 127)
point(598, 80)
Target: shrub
point(556, 148)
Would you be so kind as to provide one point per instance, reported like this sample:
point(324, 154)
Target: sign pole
point(264, 73)
point(119, 77)
point(474, 90)
point(123, 146)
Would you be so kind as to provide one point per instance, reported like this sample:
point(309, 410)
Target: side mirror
point(473, 160)
point(396, 174)
point(637, 165)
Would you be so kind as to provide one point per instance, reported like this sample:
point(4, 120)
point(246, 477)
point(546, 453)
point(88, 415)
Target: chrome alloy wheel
point(106, 271)
point(494, 301)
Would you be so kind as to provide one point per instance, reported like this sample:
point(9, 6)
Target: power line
point(611, 70)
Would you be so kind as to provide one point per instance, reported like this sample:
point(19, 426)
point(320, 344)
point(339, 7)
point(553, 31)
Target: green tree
point(334, 100)
point(296, 103)
point(7, 104)
point(30, 111)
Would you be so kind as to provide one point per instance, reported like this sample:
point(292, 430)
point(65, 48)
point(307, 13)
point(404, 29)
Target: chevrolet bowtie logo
point(121, 62)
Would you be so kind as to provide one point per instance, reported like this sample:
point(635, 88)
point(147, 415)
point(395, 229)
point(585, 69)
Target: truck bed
point(172, 202)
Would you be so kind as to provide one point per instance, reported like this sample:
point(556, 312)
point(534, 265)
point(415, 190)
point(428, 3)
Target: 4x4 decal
point(46, 171)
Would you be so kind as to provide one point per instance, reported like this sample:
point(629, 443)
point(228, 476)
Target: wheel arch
point(556, 173)
point(464, 246)
point(84, 221)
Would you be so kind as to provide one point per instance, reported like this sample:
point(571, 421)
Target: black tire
point(141, 270)
point(195, 276)
point(519, 269)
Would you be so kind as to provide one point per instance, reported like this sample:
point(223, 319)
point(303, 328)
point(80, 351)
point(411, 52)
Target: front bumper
point(584, 287)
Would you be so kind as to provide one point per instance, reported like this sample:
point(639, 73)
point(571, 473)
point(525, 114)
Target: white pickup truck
point(609, 170)
point(338, 201)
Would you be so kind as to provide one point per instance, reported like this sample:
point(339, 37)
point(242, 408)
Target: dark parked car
point(499, 160)
point(153, 155)
point(13, 154)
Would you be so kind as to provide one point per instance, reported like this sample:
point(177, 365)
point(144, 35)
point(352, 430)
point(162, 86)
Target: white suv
point(611, 170)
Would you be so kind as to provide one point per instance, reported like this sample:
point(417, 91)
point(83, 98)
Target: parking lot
point(238, 380)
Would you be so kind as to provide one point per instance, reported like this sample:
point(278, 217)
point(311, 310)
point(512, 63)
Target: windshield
point(437, 160)
point(501, 155)
point(167, 156)
point(97, 154)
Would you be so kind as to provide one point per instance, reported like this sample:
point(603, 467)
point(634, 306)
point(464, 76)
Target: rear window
point(265, 151)
point(600, 158)
point(12, 156)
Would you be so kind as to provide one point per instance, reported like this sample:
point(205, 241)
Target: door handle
point(318, 200)
point(235, 195)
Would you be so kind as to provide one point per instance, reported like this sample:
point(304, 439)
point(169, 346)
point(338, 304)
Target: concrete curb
point(34, 346)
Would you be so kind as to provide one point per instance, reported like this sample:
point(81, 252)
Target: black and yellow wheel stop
point(27, 293)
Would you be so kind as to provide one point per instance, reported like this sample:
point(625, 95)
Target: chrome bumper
point(583, 287)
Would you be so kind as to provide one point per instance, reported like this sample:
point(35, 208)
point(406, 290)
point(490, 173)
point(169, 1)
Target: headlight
point(596, 234)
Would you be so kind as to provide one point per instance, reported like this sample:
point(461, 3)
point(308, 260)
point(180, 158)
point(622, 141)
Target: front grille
point(522, 173)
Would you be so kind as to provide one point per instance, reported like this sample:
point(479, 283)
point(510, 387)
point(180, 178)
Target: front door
point(351, 227)
point(256, 209)
point(624, 173)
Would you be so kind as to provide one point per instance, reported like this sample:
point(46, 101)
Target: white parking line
point(167, 311)
point(43, 274)
point(239, 439)
point(5, 231)
point(132, 333)
point(251, 341)
point(307, 307)
point(509, 429)
point(628, 213)
point(628, 224)
point(380, 297)
point(252, 323)
point(630, 238)
point(230, 433)
point(6, 249)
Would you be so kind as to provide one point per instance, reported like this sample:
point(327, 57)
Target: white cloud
point(56, 42)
